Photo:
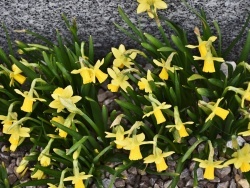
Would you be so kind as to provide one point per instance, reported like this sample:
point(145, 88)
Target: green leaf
point(192, 148)
point(195, 77)
point(149, 47)
point(153, 40)
point(76, 145)
point(246, 49)
point(91, 49)
point(130, 106)
point(4, 58)
point(166, 49)
point(176, 40)
point(219, 37)
point(216, 82)
point(205, 92)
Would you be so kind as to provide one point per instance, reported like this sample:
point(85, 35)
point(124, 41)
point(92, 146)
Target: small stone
point(152, 180)
point(185, 174)
point(210, 185)
point(167, 184)
point(132, 170)
point(215, 180)
point(232, 184)
point(10, 168)
point(119, 183)
point(171, 163)
point(237, 177)
point(144, 182)
point(199, 172)
point(17, 154)
point(191, 167)
point(223, 184)
point(141, 172)
point(12, 178)
point(192, 140)
point(159, 182)
point(201, 147)
point(190, 183)
point(129, 186)
point(130, 179)
point(244, 183)
point(106, 183)
point(221, 173)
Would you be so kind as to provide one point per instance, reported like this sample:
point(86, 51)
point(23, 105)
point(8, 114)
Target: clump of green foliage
point(50, 103)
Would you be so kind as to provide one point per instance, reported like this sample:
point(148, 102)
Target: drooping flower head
point(216, 110)
point(123, 57)
point(158, 157)
point(118, 131)
point(241, 158)
point(166, 66)
point(245, 94)
point(119, 79)
point(150, 6)
point(28, 96)
point(89, 73)
point(63, 98)
point(43, 157)
point(179, 125)
point(144, 83)
point(133, 142)
point(78, 177)
point(157, 107)
point(209, 165)
point(37, 174)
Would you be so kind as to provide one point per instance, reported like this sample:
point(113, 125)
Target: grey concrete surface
point(96, 18)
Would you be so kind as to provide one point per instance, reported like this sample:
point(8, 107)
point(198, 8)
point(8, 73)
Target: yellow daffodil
point(66, 122)
point(209, 61)
point(133, 144)
point(90, 73)
point(119, 79)
point(209, 164)
point(78, 177)
point(28, 96)
point(16, 75)
point(63, 99)
point(166, 66)
point(216, 110)
point(17, 133)
point(144, 83)
point(22, 166)
point(43, 157)
point(37, 174)
point(123, 57)
point(179, 125)
point(203, 45)
point(150, 6)
point(118, 134)
point(8, 120)
point(241, 159)
point(157, 107)
point(245, 94)
point(158, 157)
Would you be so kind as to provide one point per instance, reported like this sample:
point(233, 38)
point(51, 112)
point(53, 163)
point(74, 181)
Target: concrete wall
point(96, 18)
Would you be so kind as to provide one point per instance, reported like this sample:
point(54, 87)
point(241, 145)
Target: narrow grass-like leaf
point(91, 50)
point(76, 145)
point(244, 55)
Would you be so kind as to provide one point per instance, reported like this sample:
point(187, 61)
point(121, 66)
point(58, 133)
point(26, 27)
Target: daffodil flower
point(119, 79)
point(157, 107)
point(43, 157)
point(203, 45)
point(16, 75)
point(90, 73)
point(150, 6)
point(123, 57)
point(241, 159)
point(245, 94)
point(17, 133)
point(209, 61)
point(158, 157)
point(37, 174)
point(63, 99)
point(216, 110)
point(166, 66)
point(209, 164)
point(22, 166)
point(179, 125)
point(28, 96)
point(78, 177)
point(144, 83)
point(8, 120)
